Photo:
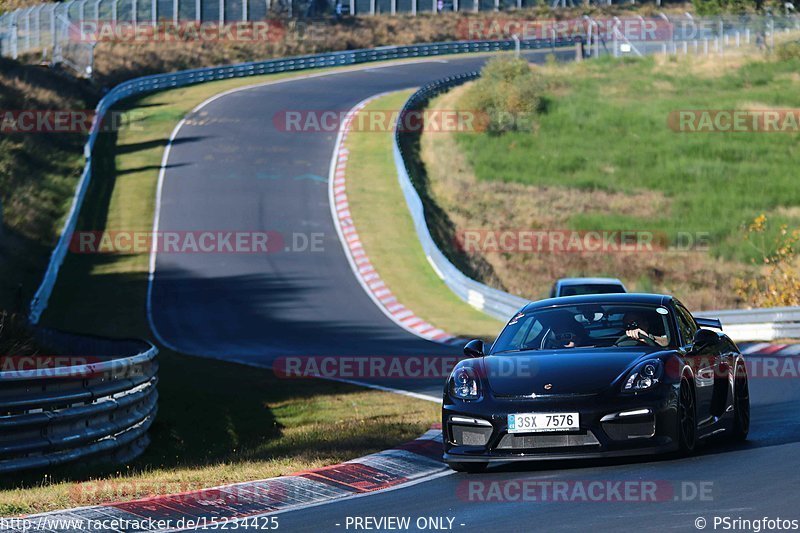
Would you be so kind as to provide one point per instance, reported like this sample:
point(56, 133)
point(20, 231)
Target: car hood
point(571, 371)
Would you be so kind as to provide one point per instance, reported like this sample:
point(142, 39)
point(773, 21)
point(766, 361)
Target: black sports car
point(594, 376)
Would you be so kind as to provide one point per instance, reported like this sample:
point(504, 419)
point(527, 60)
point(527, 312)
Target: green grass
point(384, 224)
point(218, 422)
point(223, 423)
point(38, 173)
point(605, 129)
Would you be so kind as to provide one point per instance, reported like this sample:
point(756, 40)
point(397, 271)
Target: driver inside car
point(566, 335)
point(637, 326)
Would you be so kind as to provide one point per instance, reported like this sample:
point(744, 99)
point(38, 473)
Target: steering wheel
point(624, 340)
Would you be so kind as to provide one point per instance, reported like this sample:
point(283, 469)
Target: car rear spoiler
point(708, 323)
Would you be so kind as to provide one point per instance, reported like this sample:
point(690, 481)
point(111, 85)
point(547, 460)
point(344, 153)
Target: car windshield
point(586, 326)
point(591, 288)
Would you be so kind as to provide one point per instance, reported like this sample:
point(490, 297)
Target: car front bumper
point(610, 426)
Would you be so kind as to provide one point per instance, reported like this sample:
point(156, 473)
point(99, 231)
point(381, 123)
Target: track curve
point(230, 167)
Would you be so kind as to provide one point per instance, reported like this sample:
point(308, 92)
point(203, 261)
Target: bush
point(509, 93)
point(788, 51)
point(779, 284)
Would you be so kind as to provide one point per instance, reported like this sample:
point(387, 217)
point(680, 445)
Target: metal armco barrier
point(97, 407)
point(740, 325)
point(759, 324)
point(496, 303)
point(158, 82)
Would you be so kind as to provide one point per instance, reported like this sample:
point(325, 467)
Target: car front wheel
point(687, 418)
point(741, 404)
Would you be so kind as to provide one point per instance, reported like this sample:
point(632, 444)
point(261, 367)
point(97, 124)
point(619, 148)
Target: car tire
point(470, 468)
point(741, 404)
point(687, 418)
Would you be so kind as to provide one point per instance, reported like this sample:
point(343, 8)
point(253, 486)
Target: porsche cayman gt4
point(594, 376)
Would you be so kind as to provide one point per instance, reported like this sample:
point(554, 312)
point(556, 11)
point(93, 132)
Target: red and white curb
point(769, 349)
point(365, 272)
point(405, 465)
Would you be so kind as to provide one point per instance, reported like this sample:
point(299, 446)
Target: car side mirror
point(474, 348)
point(704, 338)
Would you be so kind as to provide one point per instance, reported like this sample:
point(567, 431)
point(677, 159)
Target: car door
point(703, 363)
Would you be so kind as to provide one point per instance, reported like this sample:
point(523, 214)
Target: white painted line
point(794, 349)
point(755, 348)
point(204, 103)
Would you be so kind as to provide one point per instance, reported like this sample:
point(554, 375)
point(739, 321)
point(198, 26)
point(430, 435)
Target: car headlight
point(464, 384)
point(645, 376)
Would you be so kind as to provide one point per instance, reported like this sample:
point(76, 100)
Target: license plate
point(538, 422)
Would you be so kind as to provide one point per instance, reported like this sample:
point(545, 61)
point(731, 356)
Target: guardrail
point(740, 325)
point(95, 407)
point(157, 82)
point(759, 324)
point(496, 303)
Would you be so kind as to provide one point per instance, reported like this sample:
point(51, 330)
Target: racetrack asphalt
point(233, 167)
point(230, 168)
point(751, 481)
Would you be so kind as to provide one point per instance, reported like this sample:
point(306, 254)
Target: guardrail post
point(38, 23)
point(771, 33)
point(371, 7)
point(198, 11)
point(475, 5)
point(14, 36)
point(53, 25)
point(353, 6)
point(393, 7)
point(27, 30)
point(154, 12)
point(414, 7)
point(222, 12)
point(244, 10)
point(134, 12)
point(175, 11)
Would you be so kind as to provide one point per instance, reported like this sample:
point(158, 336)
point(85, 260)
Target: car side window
point(686, 324)
point(531, 328)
